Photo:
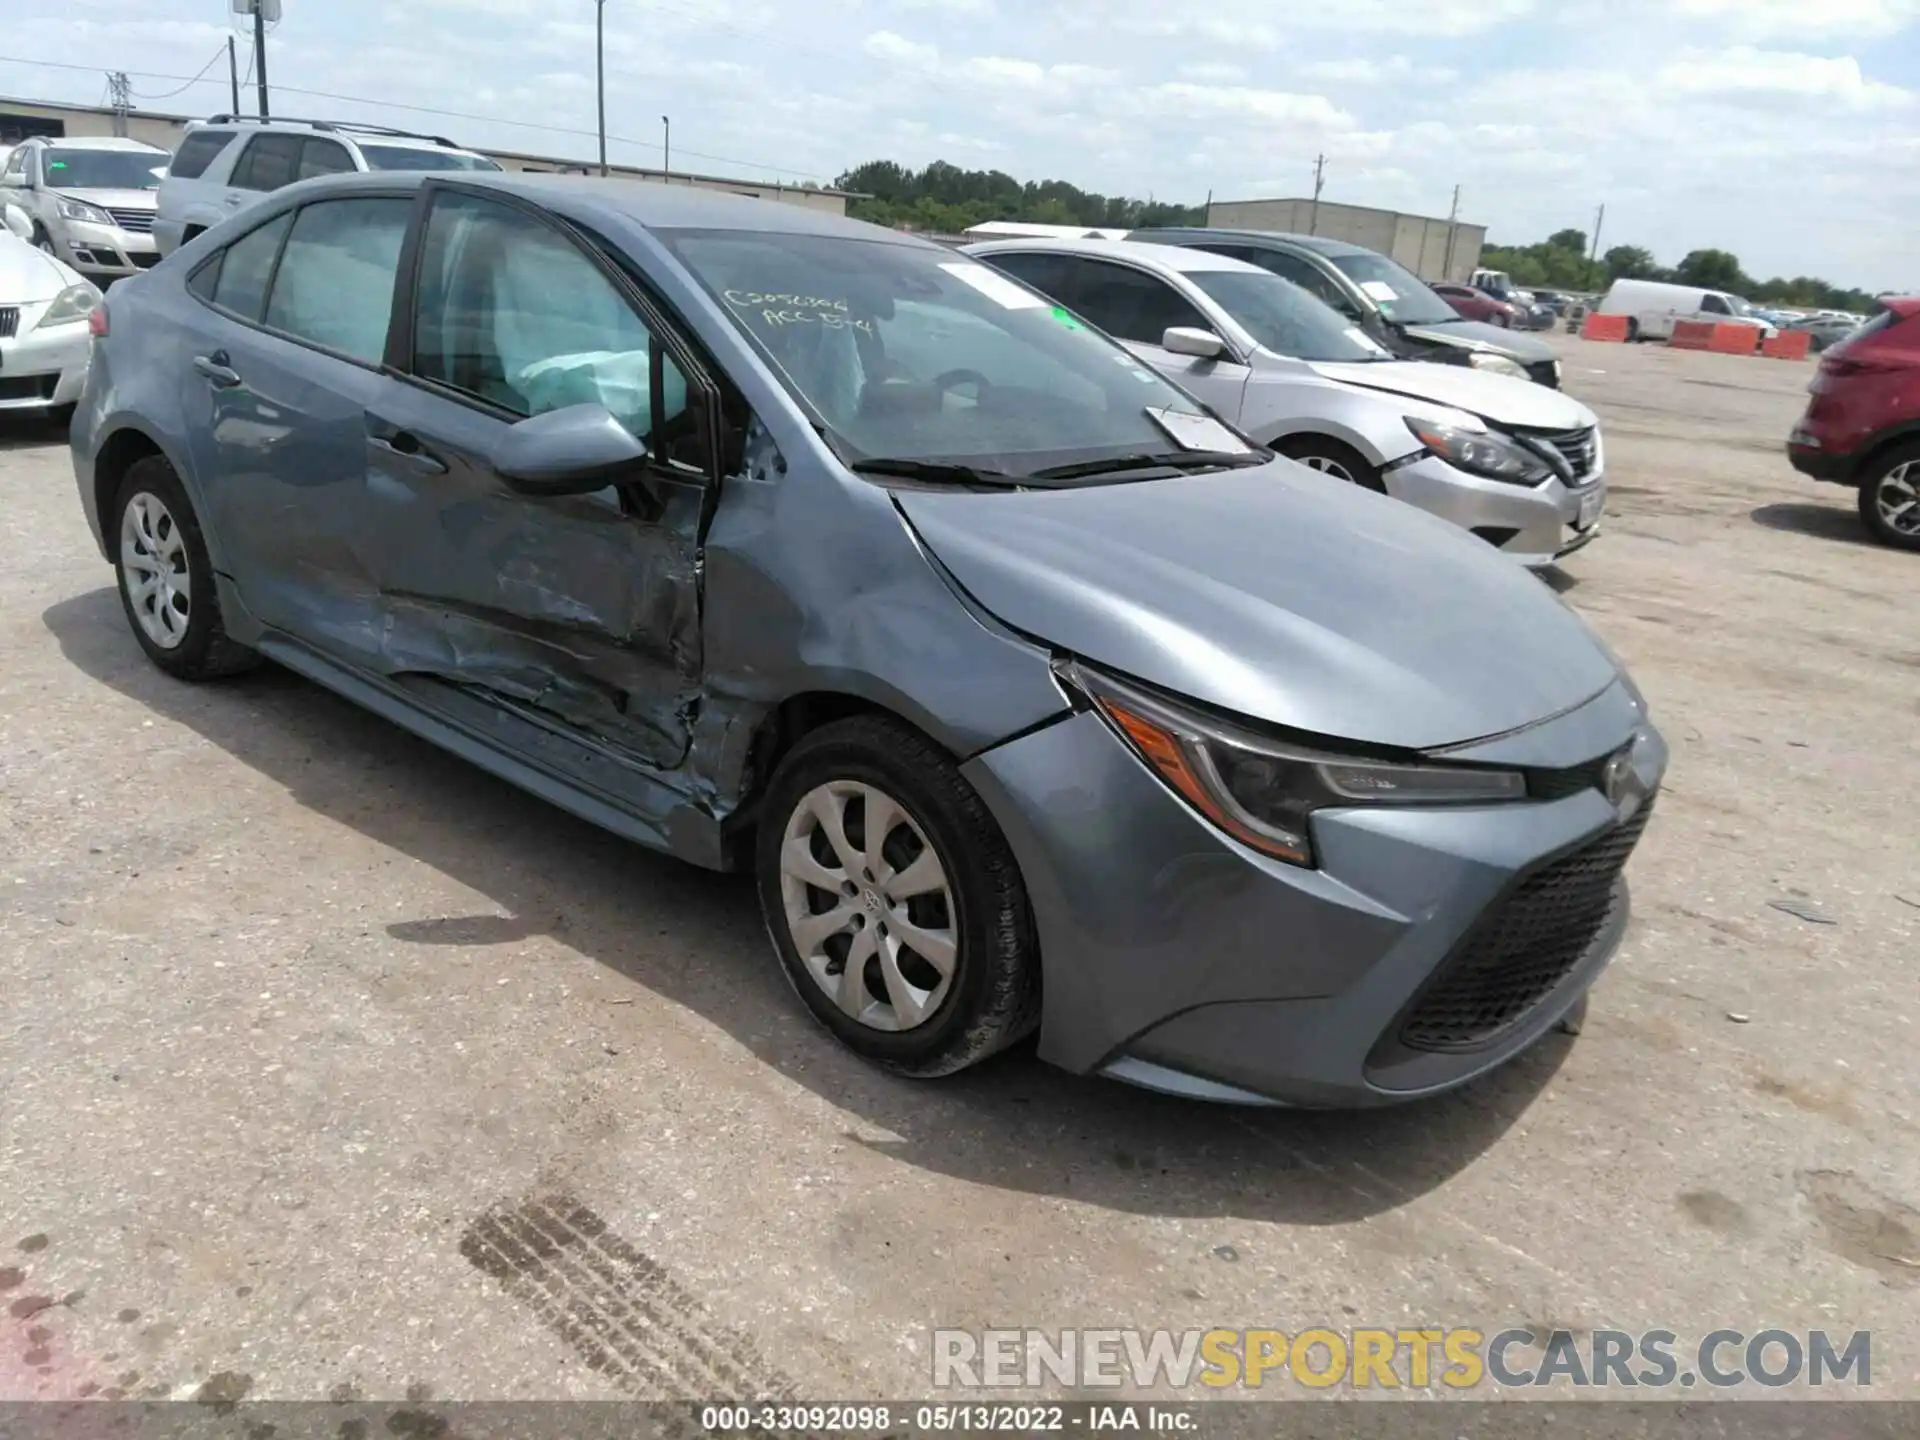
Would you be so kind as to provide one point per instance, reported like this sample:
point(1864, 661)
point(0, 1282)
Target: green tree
point(947, 199)
point(1629, 262)
point(1713, 270)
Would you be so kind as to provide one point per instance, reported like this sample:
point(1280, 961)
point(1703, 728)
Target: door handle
point(215, 367)
point(409, 452)
point(234, 200)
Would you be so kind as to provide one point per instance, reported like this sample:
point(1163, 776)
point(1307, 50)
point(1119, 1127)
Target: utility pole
point(1453, 229)
point(233, 73)
point(1598, 221)
point(600, 72)
point(1319, 179)
point(121, 95)
point(666, 147)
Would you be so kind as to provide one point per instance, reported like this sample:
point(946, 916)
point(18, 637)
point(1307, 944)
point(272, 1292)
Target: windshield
point(1286, 319)
point(1737, 305)
point(916, 353)
point(1399, 295)
point(105, 169)
point(418, 157)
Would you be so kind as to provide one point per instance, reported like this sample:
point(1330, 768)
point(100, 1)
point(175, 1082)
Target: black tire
point(993, 996)
point(1328, 451)
point(43, 241)
point(206, 652)
point(1872, 478)
point(1633, 331)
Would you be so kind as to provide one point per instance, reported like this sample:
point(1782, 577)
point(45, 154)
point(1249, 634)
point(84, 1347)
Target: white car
point(88, 200)
point(232, 162)
point(1517, 464)
point(44, 305)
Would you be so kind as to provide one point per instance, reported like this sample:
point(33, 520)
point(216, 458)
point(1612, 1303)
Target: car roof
point(649, 204)
point(97, 142)
point(1277, 238)
point(1177, 258)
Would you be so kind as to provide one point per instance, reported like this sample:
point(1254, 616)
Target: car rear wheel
point(1890, 498)
point(894, 904)
point(1330, 457)
point(166, 579)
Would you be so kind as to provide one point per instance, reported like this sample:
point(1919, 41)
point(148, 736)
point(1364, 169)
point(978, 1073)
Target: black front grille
point(138, 222)
point(1577, 448)
point(1523, 946)
point(9, 321)
point(27, 387)
point(145, 260)
point(1558, 784)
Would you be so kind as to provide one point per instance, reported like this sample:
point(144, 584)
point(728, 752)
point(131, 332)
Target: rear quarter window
point(197, 152)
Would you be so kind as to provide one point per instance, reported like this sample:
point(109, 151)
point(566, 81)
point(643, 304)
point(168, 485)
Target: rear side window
point(247, 266)
point(1130, 304)
point(196, 152)
point(334, 287)
point(1304, 273)
point(268, 162)
point(1049, 274)
point(323, 157)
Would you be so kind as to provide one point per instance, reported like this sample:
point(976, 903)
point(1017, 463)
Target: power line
point(169, 94)
point(430, 110)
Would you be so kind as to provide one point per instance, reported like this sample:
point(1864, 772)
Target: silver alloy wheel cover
point(1328, 466)
point(1897, 497)
point(153, 567)
point(870, 905)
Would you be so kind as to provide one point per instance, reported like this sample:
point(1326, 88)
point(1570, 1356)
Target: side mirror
point(1192, 340)
point(15, 219)
point(572, 451)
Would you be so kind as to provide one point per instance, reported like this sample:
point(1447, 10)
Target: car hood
point(1504, 400)
point(28, 273)
point(1478, 335)
point(114, 199)
point(1278, 594)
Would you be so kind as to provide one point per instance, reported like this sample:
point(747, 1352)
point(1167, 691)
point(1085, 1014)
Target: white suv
point(88, 202)
point(232, 162)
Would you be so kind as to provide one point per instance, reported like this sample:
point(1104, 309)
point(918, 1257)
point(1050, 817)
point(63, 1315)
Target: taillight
point(97, 321)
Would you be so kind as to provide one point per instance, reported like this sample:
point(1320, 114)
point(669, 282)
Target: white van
point(1651, 307)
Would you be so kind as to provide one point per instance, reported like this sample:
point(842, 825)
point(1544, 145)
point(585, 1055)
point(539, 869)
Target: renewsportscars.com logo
point(1378, 1359)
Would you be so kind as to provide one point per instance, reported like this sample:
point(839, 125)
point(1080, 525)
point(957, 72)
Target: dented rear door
point(578, 612)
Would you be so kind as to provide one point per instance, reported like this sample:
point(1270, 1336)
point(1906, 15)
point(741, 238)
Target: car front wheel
point(166, 579)
point(1890, 498)
point(893, 901)
point(1330, 457)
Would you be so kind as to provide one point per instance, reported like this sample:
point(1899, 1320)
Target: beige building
point(1432, 249)
point(20, 119)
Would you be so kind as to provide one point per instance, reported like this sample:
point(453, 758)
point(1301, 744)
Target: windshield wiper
point(938, 471)
point(1166, 460)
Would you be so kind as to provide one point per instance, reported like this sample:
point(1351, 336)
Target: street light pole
point(600, 72)
point(666, 148)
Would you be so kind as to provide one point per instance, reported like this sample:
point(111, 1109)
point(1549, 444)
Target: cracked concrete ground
point(332, 1066)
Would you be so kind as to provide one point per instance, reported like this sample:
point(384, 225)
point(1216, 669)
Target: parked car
point(1381, 296)
point(1825, 330)
point(791, 544)
point(233, 162)
point(1862, 426)
point(1476, 304)
point(44, 304)
point(1517, 465)
point(1652, 307)
point(89, 201)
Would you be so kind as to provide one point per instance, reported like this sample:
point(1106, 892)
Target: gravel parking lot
point(301, 1021)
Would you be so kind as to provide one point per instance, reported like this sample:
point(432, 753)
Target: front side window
point(247, 266)
point(512, 312)
point(1286, 319)
point(1401, 295)
point(1714, 305)
point(16, 168)
point(196, 152)
point(910, 352)
point(1130, 304)
point(334, 286)
point(419, 157)
point(268, 162)
point(103, 169)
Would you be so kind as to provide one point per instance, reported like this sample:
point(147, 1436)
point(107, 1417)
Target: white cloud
point(1367, 70)
point(1853, 19)
point(1744, 70)
point(1178, 98)
point(897, 49)
point(1213, 72)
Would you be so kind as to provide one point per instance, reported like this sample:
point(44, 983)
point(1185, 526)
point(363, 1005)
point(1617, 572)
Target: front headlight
point(1497, 364)
point(1261, 791)
point(80, 210)
point(76, 302)
point(1480, 452)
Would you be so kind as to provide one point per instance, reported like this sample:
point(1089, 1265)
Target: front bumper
point(106, 251)
point(44, 366)
point(1178, 959)
point(1534, 525)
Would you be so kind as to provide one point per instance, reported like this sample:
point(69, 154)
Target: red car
point(1862, 427)
point(1471, 304)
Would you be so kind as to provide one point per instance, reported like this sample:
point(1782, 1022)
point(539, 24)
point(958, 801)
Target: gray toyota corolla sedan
point(1032, 694)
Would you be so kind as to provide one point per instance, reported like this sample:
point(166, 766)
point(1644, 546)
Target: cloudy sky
point(1783, 130)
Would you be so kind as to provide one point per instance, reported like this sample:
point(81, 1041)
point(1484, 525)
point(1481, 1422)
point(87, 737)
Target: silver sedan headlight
point(1497, 364)
point(1263, 791)
point(80, 210)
